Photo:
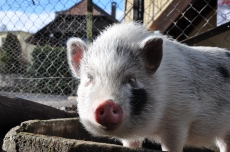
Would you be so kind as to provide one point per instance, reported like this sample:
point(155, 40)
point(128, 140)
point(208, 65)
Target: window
point(3, 40)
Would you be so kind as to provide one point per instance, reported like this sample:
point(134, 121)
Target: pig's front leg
point(224, 143)
point(132, 143)
point(173, 140)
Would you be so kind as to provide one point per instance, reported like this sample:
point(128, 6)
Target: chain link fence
point(33, 34)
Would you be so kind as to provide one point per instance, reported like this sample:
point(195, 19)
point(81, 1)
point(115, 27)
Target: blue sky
point(24, 15)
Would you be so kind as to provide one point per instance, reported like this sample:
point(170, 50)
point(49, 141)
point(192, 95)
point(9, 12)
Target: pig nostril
point(114, 111)
point(101, 112)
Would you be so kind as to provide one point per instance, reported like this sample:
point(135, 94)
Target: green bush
point(11, 58)
point(50, 70)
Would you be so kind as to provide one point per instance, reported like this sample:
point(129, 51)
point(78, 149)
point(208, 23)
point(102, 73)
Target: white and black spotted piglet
point(136, 85)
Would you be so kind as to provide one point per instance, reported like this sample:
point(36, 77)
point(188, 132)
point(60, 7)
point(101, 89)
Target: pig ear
point(152, 50)
point(75, 49)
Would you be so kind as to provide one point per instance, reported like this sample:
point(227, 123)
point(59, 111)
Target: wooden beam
point(206, 35)
point(169, 15)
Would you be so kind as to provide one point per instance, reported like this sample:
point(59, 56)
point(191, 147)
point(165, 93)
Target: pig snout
point(109, 115)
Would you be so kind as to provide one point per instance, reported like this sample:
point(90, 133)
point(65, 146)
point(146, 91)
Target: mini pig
point(135, 85)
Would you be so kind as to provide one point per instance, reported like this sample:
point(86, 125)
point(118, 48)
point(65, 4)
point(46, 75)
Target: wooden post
point(89, 21)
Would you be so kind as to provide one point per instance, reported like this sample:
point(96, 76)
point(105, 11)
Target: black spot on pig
point(220, 103)
point(223, 72)
point(228, 54)
point(138, 101)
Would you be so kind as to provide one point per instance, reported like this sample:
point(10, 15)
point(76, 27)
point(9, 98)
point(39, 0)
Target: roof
point(81, 9)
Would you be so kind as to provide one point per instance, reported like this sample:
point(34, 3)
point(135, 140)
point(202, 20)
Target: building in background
point(72, 23)
point(152, 10)
point(184, 20)
point(179, 19)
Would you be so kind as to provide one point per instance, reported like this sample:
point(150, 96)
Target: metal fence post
point(138, 10)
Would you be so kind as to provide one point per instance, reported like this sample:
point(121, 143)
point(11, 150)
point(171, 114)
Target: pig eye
point(89, 78)
point(131, 81)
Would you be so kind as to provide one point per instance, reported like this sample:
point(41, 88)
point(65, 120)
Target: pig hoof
point(109, 115)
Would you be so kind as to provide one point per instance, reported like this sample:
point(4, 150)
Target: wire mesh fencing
point(33, 35)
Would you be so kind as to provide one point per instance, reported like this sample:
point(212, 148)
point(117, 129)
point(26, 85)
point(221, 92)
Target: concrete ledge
point(62, 135)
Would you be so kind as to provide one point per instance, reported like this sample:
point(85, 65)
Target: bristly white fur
point(188, 96)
